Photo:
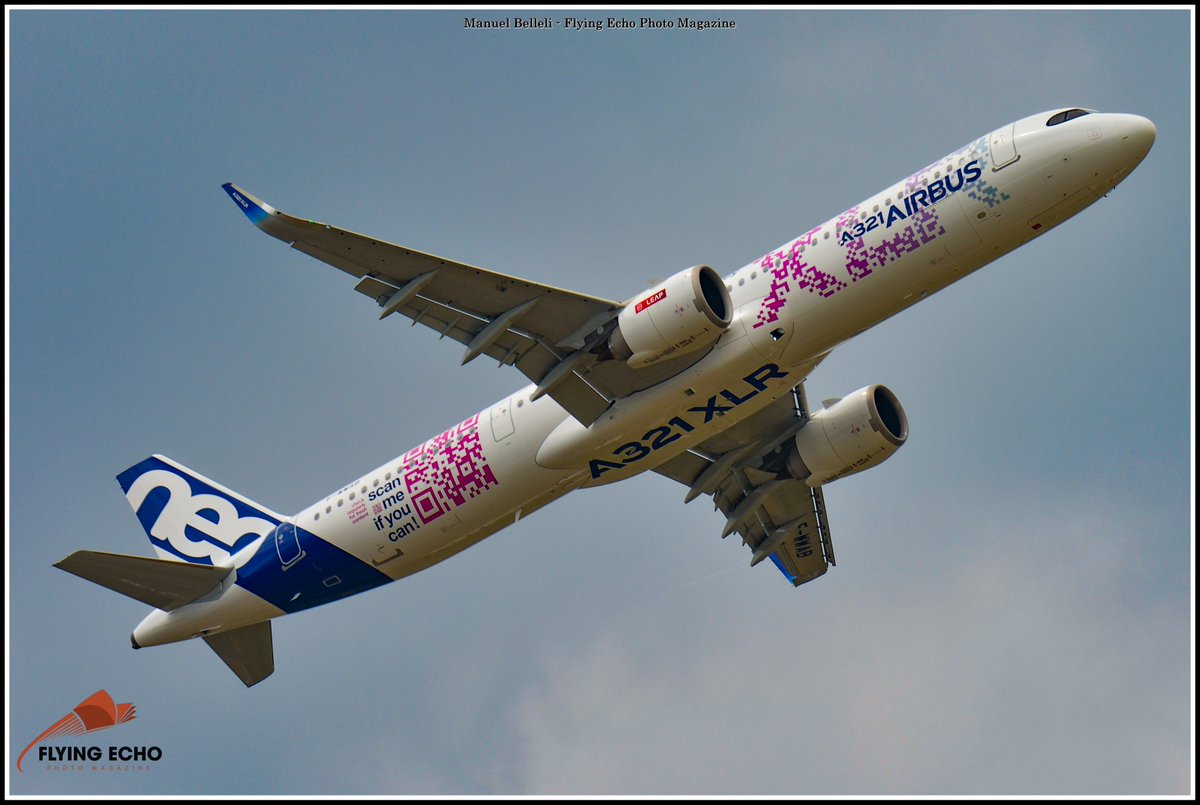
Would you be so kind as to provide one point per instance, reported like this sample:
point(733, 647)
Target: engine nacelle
point(686, 313)
point(855, 433)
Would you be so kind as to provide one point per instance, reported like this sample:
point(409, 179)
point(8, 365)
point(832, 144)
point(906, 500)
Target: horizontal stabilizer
point(160, 583)
point(247, 651)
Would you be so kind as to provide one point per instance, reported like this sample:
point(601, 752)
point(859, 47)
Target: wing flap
point(461, 325)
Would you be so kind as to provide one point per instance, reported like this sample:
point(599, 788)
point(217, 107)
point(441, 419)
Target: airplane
point(700, 379)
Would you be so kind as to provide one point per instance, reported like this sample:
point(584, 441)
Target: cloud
point(1005, 666)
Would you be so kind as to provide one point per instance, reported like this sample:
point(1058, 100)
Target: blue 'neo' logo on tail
point(188, 517)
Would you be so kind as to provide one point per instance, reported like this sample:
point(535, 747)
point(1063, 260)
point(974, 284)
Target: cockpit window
point(1070, 114)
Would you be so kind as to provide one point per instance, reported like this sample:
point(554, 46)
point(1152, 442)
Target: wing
point(780, 518)
point(547, 333)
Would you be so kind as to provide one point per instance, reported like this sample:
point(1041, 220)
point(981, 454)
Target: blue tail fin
point(191, 518)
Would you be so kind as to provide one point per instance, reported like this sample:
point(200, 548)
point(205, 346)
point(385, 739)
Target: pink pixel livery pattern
point(786, 267)
point(447, 471)
point(915, 206)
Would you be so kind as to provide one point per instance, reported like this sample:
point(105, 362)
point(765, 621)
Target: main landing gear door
point(1003, 143)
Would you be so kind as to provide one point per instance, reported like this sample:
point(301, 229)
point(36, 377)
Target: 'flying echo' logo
point(96, 712)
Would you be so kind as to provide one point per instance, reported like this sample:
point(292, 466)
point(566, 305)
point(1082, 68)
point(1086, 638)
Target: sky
point(1012, 609)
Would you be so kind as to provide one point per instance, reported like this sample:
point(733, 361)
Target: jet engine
point(850, 435)
point(685, 313)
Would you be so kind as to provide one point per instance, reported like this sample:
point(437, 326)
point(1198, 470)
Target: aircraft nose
point(1136, 135)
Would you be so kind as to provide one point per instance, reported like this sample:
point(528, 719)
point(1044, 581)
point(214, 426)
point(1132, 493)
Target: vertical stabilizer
point(193, 519)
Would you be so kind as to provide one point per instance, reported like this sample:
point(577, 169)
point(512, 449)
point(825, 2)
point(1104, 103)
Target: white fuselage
point(793, 305)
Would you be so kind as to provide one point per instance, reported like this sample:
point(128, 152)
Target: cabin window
point(1063, 117)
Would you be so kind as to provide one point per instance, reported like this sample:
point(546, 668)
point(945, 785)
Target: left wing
point(546, 332)
point(780, 518)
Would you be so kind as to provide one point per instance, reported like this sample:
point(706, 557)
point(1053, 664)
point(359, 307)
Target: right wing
point(778, 517)
point(553, 336)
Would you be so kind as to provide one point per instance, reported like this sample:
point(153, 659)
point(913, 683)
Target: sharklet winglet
point(255, 209)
